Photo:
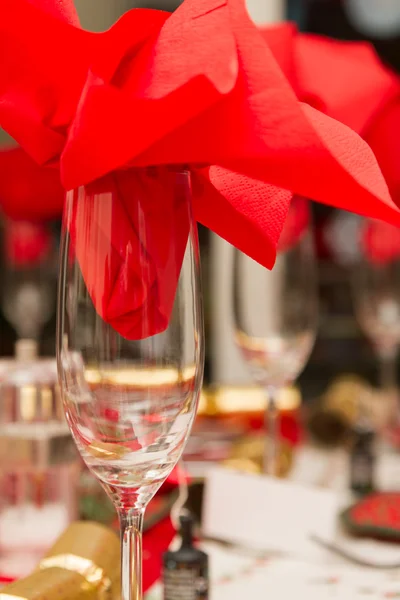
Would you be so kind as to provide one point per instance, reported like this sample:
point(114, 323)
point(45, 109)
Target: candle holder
point(39, 467)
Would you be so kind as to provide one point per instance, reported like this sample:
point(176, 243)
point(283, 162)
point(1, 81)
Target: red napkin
point(383, 137)
point(198, 87)
point(347, 81)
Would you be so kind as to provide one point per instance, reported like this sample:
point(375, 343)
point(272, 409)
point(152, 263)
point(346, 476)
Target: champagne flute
point(376, 294)
point(130, 403)
point(276, 317)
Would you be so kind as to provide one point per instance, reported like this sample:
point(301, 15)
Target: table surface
point(238, 573)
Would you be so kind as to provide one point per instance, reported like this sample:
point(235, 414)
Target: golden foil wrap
point(226, 400)
point(83, 564)
point(248, 456)
point(349, 396)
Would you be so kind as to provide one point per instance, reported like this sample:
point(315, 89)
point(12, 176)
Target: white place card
point(268, 514)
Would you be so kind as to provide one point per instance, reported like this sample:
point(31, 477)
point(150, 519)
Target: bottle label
point(184, 582)
point(361, 471)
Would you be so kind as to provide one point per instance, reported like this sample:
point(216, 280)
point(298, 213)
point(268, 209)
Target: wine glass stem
point(388, 370)
point(131, 524)
point(272, 434)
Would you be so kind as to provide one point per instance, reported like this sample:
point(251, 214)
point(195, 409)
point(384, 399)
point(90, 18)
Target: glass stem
point(131, 524)
point(388, 379)
point(270, 464)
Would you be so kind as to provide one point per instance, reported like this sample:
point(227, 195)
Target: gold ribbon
point(93, 575)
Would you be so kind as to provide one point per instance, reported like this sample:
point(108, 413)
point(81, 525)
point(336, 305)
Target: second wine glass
point(376, 293)
point(276, 316)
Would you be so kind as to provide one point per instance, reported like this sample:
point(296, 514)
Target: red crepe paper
point(198, 87)
point(347, 81)
point(100, 226)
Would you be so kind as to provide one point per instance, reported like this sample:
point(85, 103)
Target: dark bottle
point(185, 571)
point(362, 460)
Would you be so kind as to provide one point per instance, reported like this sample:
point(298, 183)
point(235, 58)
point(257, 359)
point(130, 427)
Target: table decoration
point(248, 456)
point(83, 564)
point(347, 81)
point(377, 516)
point(280, 141)
point(39, 466)
point(332, 416)
point(276, 515)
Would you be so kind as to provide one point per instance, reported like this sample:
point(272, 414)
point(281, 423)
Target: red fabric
point(198, 87)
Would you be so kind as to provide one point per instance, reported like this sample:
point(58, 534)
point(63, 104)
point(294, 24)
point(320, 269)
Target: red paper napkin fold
point(347, 81)
point(198, 87)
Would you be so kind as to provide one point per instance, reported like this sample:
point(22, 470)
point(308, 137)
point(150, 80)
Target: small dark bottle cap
point(185, 571)
point(362, 459)
point(186, 529)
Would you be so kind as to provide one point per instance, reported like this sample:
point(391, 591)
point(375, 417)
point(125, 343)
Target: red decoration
point(347, 81)
point(26, 244)
point(377, 515)
point(198, 87)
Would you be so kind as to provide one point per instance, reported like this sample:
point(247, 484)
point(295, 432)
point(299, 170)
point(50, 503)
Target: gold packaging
point(83, 564)
point(248, 456)
point(227, 400)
